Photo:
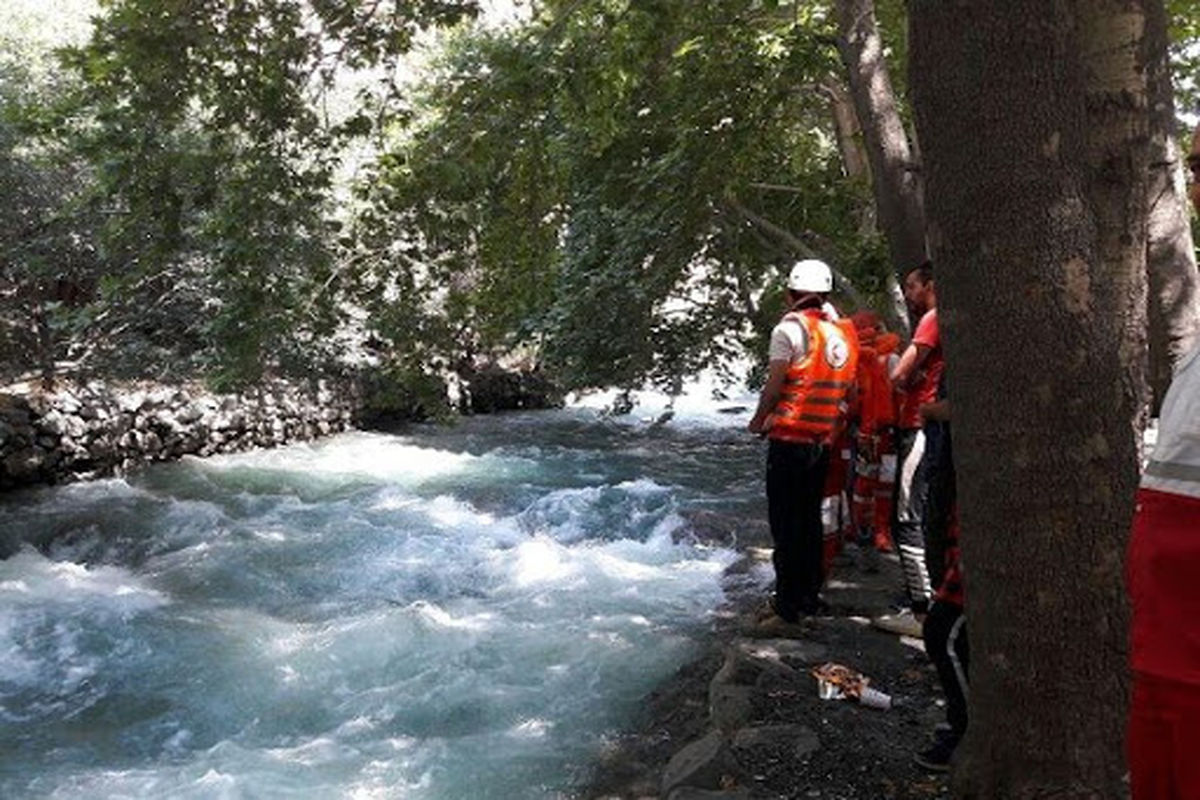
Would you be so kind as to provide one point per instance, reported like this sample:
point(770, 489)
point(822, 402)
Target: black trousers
point(946, 644)
point(908, 516)
point(941, 494)
point(795, 484)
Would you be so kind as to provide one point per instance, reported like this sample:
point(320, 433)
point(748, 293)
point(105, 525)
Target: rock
point(701, 764)
point(189, 413)
point(67, 403)
point(692, 793)
point(54, 422)
point(14, 410)
point(164, 422)
point(798, 740)
point(782, 651)
point(730, 706)
point(161, 396)
point(23, 465)
point(131, 403)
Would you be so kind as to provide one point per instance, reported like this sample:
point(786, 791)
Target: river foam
point(463, 613)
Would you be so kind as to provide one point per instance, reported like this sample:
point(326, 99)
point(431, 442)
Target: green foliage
point(49, 258)
point(1185, 55)
point(216, 166)
point(611, 189)
point(580, 184)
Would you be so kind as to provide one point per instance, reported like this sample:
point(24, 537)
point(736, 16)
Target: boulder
point(66, 402)
point(797, 740)
point(703, 764)
point(730, 706)
point(23, 465)
point(54, 422)
point(692, 793)
point(784, 652)
point(189, 413)
point(131, 403)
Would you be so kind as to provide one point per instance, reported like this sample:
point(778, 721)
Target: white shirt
point(789, 341)
point(1175, 465)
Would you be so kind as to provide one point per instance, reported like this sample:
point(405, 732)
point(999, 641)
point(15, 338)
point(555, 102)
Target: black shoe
point(786, 614)
point(937, 758)
point(815, 608)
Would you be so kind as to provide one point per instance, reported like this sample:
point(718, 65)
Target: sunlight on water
point(455, 613)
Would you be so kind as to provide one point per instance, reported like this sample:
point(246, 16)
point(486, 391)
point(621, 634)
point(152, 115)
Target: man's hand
point(771, 392)
point(938, 411)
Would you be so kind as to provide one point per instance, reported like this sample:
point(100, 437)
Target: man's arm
point(769, 398)
point(909, 367)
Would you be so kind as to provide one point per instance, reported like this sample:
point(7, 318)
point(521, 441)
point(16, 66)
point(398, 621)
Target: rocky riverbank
point(744, 720)
point(85, 430)
point(96, 429)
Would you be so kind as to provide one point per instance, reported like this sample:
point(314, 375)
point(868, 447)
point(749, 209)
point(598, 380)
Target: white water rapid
point(468, 612)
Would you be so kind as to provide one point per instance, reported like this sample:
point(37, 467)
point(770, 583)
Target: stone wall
point(96, 429)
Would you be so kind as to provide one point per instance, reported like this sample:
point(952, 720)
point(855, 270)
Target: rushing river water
point(468, 612)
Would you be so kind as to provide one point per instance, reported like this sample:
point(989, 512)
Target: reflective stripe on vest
point(815, 386)
point(1175, 466)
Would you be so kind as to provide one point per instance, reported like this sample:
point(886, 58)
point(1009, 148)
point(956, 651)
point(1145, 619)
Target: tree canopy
point(606, 188)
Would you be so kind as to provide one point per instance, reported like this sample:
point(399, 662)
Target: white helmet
point(810, 275)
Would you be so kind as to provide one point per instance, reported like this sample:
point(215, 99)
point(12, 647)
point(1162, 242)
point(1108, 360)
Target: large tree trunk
point(1171, 256)
point(1034, 125)
point(894, 177)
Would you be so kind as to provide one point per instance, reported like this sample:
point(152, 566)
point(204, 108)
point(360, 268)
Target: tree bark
point(1171, 255)
point(1038, 226)
point(895, 180)
point(849, 131)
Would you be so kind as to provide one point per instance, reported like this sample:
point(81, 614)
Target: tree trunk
point(849, 131)
point(894, 178)
point(1038, 227)
point(1171, 255)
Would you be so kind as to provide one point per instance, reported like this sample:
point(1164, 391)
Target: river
point(463, 612)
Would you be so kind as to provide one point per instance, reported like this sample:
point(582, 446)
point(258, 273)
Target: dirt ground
point(863, 753)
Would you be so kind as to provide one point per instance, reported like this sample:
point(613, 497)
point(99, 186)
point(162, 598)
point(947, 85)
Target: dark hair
point(924, 271)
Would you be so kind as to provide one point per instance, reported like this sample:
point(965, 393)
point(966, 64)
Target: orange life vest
point(876, 395)
point(815, 387)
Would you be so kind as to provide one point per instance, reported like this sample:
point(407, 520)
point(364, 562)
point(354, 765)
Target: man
point(945, 628)
point(1162, 569)
point(916, 375)
point(876, 414)
point(811, 366)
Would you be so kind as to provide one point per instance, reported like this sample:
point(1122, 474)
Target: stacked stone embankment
point(97, 429)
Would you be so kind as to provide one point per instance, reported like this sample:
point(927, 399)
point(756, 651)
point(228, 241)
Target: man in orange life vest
point(811, 363)
point(1163, 572)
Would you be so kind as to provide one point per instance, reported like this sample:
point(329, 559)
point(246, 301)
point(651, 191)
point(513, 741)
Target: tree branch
point(797, 247)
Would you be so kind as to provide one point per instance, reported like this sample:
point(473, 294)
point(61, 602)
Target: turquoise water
point(469, 612)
